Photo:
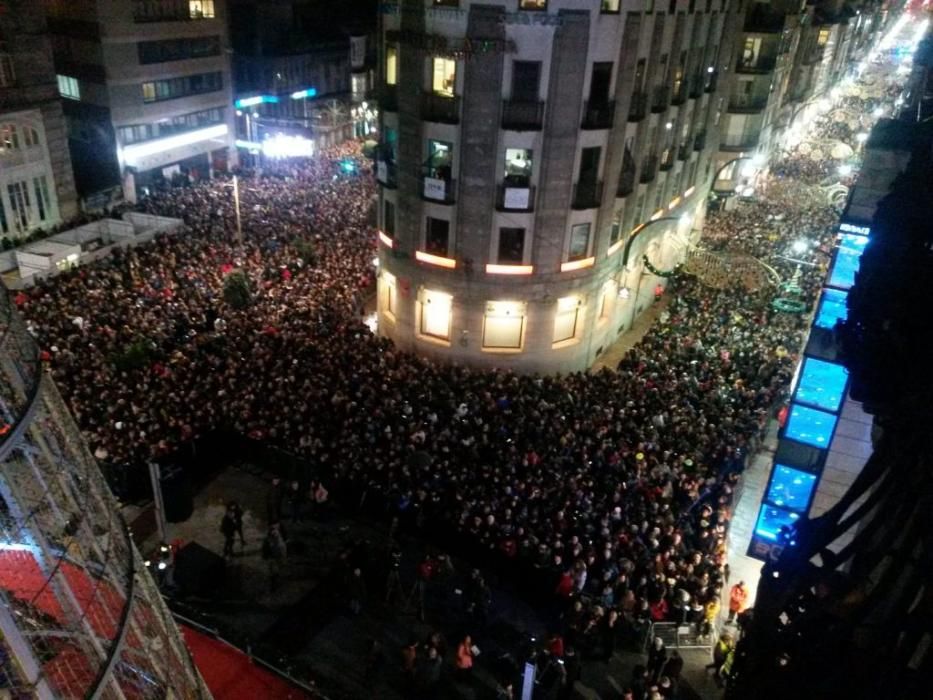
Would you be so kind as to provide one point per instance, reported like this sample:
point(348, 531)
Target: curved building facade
point(80, 616)
point(540, 161)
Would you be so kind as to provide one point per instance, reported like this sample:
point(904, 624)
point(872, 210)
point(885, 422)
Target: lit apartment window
point(609, 6)
point(68, 87)
point(391, 65)
point(579, 242)
point(823, 38)
point(518, 167)
point(444, 79)
point(9, 137)
point(532, 4)
point(201, 9)
point(7, 76)
point(504, 325)
point(435, 314)
point(567, 320)
point(388, 294)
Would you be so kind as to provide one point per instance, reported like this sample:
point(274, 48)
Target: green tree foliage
point(238, 292)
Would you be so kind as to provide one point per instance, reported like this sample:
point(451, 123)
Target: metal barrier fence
point(79, 614)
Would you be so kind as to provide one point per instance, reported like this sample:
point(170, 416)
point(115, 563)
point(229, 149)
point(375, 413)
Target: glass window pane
point(822, 384)
point(435, 314)
point(790, 488)
point(503, 325)
point(391, 65)
point(846, 264)
point(445, 76)
point(518, 164)
point(771, 522)
point(832, 309)
point(809, 426)
point(579, 242)
point(511, 246)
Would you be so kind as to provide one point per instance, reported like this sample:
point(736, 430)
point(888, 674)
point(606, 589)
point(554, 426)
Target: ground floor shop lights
point(133, 153)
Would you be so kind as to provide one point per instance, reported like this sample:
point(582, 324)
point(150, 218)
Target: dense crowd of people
point(619, 483)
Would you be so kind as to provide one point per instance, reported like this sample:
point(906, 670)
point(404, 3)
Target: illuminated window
point(9, 137)
point(435, 314)
point(503, 325)
point(68, 87)
point(609, 6)
point(579, 242)
point(518, 165)
point(566, 322)
point(391, 65)
point(532, 4)
point(823, 38)
point(201, 9)
point(388, 294)
point(444, 81)
point(750, 50)
point(7, 76)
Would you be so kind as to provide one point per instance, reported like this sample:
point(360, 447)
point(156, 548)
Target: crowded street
point(577, 511)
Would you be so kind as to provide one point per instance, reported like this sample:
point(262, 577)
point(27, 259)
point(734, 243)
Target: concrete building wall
point(98, 41)
point(653, 166)
point(29, 101)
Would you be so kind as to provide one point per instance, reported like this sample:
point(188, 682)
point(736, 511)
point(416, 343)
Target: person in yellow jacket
point(710, 613)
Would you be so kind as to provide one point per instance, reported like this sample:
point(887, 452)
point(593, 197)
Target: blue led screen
point(822, 384)
point(790, 488)
point(846, 264)
point(809, 426)
point(832, 308)
point(771, 520)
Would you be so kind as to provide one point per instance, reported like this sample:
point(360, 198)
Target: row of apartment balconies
point(525, 115)
point(520, 196)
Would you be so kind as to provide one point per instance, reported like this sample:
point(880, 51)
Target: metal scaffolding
point(80, 616)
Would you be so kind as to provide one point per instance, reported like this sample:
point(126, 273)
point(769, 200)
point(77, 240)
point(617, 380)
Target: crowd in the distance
point(618, 484)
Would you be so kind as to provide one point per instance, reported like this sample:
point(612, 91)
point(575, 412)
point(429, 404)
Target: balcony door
point(600, 83)
point(526, 81)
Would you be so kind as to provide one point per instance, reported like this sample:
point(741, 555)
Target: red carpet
point(230, 675)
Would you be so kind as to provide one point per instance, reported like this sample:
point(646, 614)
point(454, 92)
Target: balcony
point(660, 98)
point(747, 104)
point(587, 194)
point(434, 189)
point(515, 198)
point(387, 174)
point(638, 109)
point(696, 87)
point(598, 115)
point(440, 108)
point(748, 143)
point(626, 182)
point(763, 66)
point(388, 98)
point(649, 169)
point(520, 115)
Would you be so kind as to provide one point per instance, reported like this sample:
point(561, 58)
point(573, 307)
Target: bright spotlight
point(686, 219)
point(800, 246)
point(878, 113)
point(861, 137)
point(376, 262)
point(845, 170)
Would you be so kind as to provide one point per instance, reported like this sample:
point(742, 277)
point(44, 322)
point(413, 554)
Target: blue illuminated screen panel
point(770, 521)
point(790, 488)
point(822, 384)
point(832, 309)
point(810, 426)
point(846, 264)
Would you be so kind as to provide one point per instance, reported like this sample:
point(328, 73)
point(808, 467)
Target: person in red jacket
point(738, 600)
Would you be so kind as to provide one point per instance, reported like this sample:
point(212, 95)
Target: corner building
point(539, 162)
